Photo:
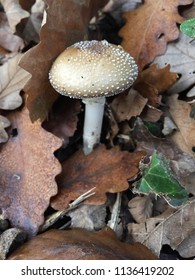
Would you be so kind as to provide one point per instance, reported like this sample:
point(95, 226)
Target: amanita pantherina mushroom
point(91, 71)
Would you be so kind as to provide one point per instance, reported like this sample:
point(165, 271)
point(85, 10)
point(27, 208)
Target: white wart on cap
point(93, 69)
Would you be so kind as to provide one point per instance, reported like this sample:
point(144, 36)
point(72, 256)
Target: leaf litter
point(42, 158)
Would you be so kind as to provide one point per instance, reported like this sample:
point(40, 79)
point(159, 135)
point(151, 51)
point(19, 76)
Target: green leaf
point(158, 178)
point(188, 27)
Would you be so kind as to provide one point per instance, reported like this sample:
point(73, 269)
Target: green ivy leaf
point(188, 27)
point(158, 178)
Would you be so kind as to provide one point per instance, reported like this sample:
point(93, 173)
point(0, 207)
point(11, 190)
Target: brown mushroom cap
point(93, 69)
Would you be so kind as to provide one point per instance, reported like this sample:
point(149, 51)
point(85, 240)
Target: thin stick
point(50, 220)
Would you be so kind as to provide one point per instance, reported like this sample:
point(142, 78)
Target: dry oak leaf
point(4, 123)
point(141, 208)
point(181, 56)
point(171, 229)
point(27, 172)
point(152, 82)
point(14, 12)
point(126, 106)
point(55, 36)
point(107, 170)
point(80, 244)
point(34, 22)
point(149, 28)
point(180, 113)
point(62, 122)
point(8, 40)
point(186, 248)
point(12, 80)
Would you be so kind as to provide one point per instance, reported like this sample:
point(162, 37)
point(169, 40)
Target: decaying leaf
point(146, 34)
point(181, 56)
point(107, 170)
point(4, 123)
point(90, 217)
point(14, 12)
point(33, 25)
point(180, 113)
point(27, 172)
point(126, 106)
point(63, 119)
point(152, 82)
point(186, 248)
point(170, 229)
point(140, 208)
point(65, 31)
point(80, 244)
point(12, 80)
point(8, 40)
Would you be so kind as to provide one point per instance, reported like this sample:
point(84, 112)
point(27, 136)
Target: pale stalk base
point(94, 111)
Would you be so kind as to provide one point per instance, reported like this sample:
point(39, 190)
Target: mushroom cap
point(93, 69)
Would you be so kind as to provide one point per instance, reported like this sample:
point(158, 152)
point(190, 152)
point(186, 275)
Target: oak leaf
point(34, 22)
point(152, 82)
point(28, 169)
point(8, 40)
point(126, 106)
point(107, 170)
point(63, 119)
point(80, 244)
point(165, 228)
point(180, 113)
point(140, 208)
point(14, 12)
point(149, 28)
point(181, 56)
point(66, 30)
point(12, 80)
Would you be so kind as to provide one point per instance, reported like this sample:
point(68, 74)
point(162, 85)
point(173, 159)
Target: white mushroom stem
point(94, 111)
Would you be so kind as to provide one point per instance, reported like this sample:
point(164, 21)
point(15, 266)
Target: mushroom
point(92, 71)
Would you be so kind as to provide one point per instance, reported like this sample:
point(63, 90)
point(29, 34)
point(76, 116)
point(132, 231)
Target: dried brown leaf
point(8, 40)
point(80, 244)
point(33, 25)
point(12, 80)
point(181, 56)
point(126, 106)
point(140, 208)
point(149, 28)
point(14, 12)
point(90, 217)
point(186, 248)
point(169, 231)
point(28, 169)
point(63, 120)
point(153, 81)
point(180, 113)
point(107, 170)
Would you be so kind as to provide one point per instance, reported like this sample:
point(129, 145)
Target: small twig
point(113, 222)
point(50, 220)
